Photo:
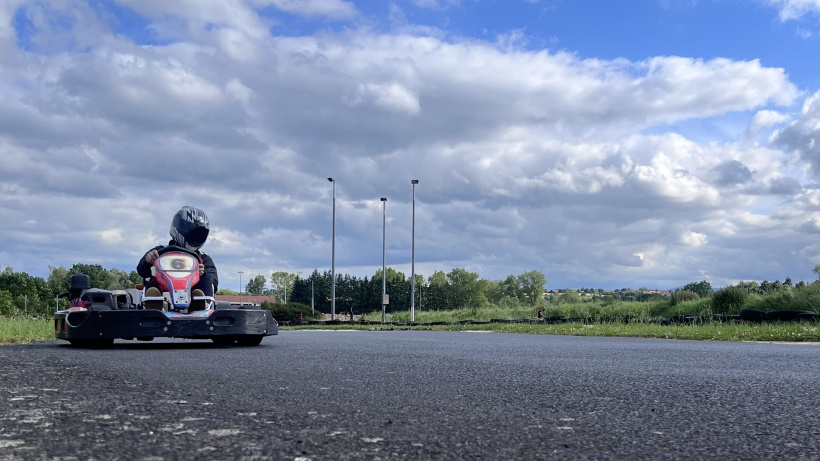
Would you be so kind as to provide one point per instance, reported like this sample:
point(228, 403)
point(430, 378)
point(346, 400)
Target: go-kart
point(97, 317)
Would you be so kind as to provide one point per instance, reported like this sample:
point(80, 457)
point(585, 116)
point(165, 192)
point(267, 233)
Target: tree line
point(24, 293)
point(457, 289)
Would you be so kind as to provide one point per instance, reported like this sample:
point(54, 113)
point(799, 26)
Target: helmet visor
point(196, 238)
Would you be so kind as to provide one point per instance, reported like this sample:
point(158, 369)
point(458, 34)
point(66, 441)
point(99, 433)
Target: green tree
point(59, 280)
point(282, 284)
point(97, 276)
point(531, 287)
point(226, 292)
point(310, 288)
point(503, 291)
point(398, 288)
point(465, 290)
point(7, 306)
point(437, 289)
point(20, 283)
point(256, 286)
point(134, 278)
point(570, 297)
point(320, 285)
point(816, 270)
point(31, 293)
point(702, 288)
point(750, 287)
point(118, 280)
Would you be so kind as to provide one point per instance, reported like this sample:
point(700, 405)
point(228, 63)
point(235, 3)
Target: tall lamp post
point(384, 274)
point(333, 258)
point(413, 257)
point(240, 287)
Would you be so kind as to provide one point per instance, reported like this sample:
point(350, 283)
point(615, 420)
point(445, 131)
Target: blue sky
point(605, 144)
point(739, 29)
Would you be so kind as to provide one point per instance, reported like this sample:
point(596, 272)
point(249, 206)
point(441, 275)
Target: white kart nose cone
point(181, 298)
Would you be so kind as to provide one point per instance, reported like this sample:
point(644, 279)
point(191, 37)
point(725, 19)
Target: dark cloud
point(731, 173)
point(784, 186)
point(803, 135)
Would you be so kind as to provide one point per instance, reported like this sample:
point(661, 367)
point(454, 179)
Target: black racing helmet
point(189, 228)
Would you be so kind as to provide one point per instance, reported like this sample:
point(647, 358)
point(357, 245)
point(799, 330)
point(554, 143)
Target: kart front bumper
point(133, 323)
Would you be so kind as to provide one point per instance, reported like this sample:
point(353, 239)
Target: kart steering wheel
point(176, 249)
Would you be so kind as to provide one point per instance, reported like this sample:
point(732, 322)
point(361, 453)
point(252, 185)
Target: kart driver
point(189, 229)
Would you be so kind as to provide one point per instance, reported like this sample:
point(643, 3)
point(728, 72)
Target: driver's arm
point(151, 256)
point(210, 270)
point(144, 266)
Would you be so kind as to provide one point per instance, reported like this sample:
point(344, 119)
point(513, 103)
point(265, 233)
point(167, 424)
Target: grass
point(791, 332)
point(797, 332)
point(639, 326)
point(17, 330)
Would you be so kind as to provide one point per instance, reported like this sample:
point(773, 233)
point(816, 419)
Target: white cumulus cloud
point(577, 166)
point(794, 9)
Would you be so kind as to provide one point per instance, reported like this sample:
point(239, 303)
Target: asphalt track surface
point(339, 395)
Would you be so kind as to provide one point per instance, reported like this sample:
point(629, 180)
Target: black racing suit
point(208, 282)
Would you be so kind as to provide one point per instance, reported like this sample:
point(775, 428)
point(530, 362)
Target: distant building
point(245, 300)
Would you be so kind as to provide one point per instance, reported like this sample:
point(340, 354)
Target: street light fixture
point(240, 287)
point(384, 274)
point(333, 258)
point(413, 257)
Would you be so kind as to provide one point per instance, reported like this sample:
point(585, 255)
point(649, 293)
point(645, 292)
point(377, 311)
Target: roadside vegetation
point(728, 301)
point(16, 330)
point(696, 311)
point(683, 314)
point(780, 332)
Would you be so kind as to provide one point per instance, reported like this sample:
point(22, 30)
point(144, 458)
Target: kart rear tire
point(784, 315)
point(752, 315)
point(249, 340)
point(102, 343)
point(223, 340)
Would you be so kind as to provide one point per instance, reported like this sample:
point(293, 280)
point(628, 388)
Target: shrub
point(569, 297)
point(678, 297)
point(7, 307)
point(729, 299)
point(666, 309)
point(579, 311)
point(807, 297)
point(609, 301)
point(804, 298)
point(291, 312)
point(508, 302)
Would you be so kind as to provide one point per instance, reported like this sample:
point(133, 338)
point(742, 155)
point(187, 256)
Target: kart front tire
point(92, 343)
point(249, 340)
point(223, 340)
